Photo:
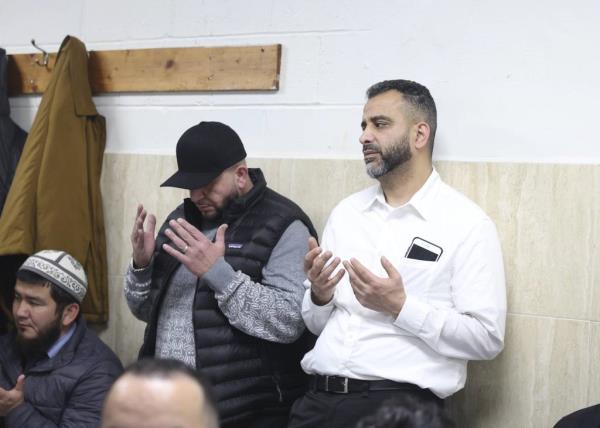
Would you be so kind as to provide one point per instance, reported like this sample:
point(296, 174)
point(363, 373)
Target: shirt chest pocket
point(418, 275)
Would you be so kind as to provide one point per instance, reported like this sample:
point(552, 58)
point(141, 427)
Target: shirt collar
point(421, 201)
point(62, 341)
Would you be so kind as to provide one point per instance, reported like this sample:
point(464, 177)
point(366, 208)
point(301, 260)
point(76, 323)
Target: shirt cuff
point(309, 305)
point(412, 315)
point(220, 275)
point(142, 274)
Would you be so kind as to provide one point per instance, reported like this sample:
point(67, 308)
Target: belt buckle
point(334, 390)
point(345, 391)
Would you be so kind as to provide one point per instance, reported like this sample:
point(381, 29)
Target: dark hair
point(417, 97)
point(407, 412)
point(60, 296)
point(164, 368)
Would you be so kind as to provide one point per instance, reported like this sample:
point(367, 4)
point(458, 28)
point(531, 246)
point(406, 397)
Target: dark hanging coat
point(54, 201)
point(12, 139)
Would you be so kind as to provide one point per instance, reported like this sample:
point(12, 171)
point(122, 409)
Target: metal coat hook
point(44, 62)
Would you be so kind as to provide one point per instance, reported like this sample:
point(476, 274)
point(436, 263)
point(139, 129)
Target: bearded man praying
point(54, 371)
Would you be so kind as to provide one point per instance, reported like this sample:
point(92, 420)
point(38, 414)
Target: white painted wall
point(514, 80)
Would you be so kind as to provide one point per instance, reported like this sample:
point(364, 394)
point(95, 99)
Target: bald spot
point(156, 402)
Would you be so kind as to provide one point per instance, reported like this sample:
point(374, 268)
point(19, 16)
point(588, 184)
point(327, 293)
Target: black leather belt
point(344, 385)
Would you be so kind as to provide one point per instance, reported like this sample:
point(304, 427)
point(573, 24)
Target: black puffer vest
point(248, 374)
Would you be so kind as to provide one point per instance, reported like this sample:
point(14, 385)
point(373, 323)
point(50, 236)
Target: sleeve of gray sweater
point(270, 310)
point(138, 291)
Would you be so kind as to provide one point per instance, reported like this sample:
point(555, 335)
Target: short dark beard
point(34, 348)
point(396, 155)
point(223, 211)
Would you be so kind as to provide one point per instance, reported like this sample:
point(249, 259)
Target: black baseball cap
point(203, 152)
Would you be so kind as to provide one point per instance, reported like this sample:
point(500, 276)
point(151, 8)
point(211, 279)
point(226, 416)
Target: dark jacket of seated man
point(54, 371)
point(584, 418)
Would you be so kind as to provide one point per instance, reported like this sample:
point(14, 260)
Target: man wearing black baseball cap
point(221, 285)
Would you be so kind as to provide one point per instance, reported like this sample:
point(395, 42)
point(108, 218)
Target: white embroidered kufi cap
point(61, 269)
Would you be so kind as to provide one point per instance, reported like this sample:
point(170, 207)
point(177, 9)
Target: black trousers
point(266, 418)
point(319, 409)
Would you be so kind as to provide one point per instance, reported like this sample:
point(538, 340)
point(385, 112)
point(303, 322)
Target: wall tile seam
point(27, 49)
point(151, 107)
point(170, 152)
point(14, 107)
point(136, 43)
point(325, 157)
point(551, 317)
point(279, 106)
point(329, 32)
point(590, 161)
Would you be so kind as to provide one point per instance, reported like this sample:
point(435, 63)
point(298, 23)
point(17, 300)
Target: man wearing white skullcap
point(54, 371)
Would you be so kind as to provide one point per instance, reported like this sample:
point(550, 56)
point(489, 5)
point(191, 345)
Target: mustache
point(371, 147)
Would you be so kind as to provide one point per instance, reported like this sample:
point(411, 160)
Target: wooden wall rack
point(234, 68)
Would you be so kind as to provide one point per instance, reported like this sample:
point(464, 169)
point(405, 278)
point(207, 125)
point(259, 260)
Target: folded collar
point(421, 201)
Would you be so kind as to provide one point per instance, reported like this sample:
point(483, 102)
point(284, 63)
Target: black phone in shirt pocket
point(420, 249)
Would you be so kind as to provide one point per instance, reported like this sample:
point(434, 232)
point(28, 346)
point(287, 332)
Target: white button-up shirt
point(455, 308)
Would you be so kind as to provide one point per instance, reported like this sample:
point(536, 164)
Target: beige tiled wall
point(548, 220)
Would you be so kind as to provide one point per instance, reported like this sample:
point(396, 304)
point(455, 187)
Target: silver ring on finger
point(185, 249)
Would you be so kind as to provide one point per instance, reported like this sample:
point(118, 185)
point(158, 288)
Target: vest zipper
point(279, 393)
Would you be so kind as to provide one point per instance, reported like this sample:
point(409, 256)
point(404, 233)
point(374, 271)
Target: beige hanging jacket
point(54, 201)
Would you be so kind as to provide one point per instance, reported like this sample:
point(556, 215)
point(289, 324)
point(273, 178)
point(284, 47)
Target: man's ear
point(241, 176)
point(69, 314)
point(421, 133)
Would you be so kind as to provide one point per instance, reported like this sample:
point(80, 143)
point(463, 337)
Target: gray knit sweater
point(270, 310)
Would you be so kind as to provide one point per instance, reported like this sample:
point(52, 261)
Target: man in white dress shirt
point(408, 283)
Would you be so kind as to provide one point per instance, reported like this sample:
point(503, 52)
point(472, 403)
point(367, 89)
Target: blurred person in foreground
point(407, 412)
point(154, 393)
